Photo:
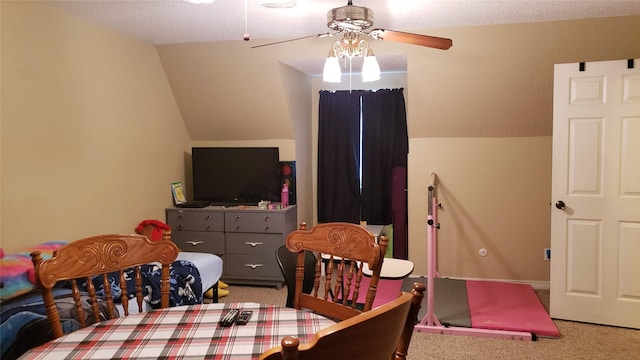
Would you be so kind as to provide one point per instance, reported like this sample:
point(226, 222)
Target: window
point(362, 137)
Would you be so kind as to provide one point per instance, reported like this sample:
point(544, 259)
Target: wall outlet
point(547, 254)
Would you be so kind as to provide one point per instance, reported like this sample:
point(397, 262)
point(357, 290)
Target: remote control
point(229, 317)
point(244, 317)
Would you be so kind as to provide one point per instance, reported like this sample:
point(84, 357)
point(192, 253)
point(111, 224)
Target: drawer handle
point(180, 227)
point(194, 243)
point(253, 244)
point(253, 266)
point(266, 229)
point(266, 218)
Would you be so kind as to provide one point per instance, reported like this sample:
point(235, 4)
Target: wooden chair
point(344, 248)
point(383, 333)
point(100, 255)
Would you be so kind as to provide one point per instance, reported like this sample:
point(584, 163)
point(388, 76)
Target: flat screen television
point(231, 176)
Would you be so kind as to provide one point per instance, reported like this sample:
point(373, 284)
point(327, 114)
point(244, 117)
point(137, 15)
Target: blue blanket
point(185, 284)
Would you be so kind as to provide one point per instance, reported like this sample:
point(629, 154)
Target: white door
point(595, 235)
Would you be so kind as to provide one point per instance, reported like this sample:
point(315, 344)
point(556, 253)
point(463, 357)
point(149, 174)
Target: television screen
point(236, 176)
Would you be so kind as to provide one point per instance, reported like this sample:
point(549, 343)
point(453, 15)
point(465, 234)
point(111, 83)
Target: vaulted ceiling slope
point(496, 80)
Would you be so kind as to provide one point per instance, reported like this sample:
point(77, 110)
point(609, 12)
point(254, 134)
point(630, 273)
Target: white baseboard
point(536, 284)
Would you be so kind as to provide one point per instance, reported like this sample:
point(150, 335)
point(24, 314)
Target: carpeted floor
point(577, 340)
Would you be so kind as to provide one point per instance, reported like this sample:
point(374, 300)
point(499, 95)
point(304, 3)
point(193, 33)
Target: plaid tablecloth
point(186, 332)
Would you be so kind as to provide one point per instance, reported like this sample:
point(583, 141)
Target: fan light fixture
point(351, 21)
point(349, 47)
point(370, 68)
point(354, 22)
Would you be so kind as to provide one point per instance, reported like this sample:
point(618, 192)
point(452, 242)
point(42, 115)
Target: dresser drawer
point(254, 244)
point(199, 241)
point(183, 220)
point(251, 266)
point(260, 222)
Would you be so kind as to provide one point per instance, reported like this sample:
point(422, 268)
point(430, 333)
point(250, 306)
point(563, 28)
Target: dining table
point(185, 332)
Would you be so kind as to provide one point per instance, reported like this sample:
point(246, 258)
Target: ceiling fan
point(354, 21)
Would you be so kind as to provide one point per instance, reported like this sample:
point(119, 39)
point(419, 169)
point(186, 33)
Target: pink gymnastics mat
point(507, 306)
point(492, 305)
point(387, 291)
point(489, 305)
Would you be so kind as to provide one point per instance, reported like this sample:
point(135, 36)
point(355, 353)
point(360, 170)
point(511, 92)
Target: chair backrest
point(383, 333)
point(287, 262)
point(343, 248)
point(100, 255)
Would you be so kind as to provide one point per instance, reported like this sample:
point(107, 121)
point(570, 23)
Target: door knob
point(560, 204)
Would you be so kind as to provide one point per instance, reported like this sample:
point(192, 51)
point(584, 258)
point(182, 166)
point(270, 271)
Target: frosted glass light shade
point(370, 69)
point(331, 72)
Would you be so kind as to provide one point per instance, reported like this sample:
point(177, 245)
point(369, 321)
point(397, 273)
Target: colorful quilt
point(16, 270)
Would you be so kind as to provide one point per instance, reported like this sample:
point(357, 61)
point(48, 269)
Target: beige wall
point(299, 102)
point(91, 134)
point(497, 81)
point(495, 194)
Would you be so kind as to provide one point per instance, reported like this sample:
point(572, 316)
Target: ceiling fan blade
point(289, 40)
point(410, 38)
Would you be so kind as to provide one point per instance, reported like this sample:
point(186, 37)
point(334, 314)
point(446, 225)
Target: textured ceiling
point(178, 21)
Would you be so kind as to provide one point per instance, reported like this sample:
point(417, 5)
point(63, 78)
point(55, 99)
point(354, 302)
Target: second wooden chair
point(343, 248)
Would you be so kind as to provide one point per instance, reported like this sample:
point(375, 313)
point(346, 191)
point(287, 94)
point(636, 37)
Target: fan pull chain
point(246, 30)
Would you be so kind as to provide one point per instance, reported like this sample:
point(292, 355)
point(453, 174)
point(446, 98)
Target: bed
point(209, 268)
point(23, 322)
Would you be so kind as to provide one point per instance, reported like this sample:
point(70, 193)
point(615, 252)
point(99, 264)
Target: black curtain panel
point(385, 145)
point(338, 156)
